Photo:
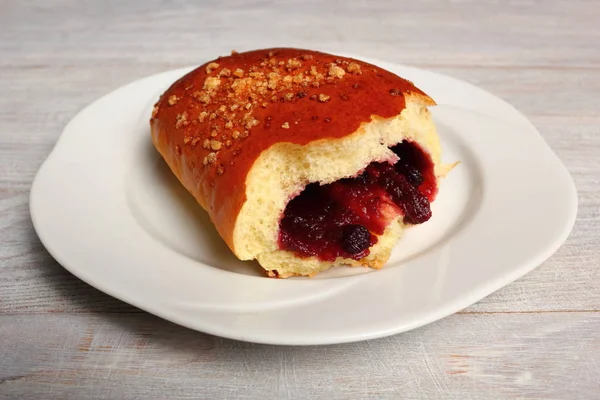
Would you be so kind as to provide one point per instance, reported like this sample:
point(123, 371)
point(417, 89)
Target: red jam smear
point(341, 219)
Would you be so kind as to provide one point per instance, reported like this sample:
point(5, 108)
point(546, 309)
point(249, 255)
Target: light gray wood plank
point(125, 356)
point(471, 32)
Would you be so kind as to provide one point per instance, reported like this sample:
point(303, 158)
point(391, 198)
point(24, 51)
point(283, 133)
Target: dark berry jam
point(417, 167)
point(355, 239)
point(341, 219)
point(313, 225)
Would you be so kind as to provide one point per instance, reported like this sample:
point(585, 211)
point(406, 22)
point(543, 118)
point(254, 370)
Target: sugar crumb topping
point(336, 71)
point(211, 83)
point(173, 99)
point(354, 68)
point(211, 67)
point(181, 120)
point(215, 144)
point(230, 98)
point(293, 63)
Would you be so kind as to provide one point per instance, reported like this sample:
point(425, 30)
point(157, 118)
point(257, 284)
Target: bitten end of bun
point(248, 132)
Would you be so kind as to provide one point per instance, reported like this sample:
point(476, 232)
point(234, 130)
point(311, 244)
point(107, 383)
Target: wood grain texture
point(124, 356)
point(59, 338)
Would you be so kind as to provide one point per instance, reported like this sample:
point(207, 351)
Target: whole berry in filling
point(411, 172)
point(355, 238)
point(417, 167)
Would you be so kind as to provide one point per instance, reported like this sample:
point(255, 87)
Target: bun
point(248, 132)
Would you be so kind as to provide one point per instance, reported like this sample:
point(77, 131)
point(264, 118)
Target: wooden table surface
point(60, 338)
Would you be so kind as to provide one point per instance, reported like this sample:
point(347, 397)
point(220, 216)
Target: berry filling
point(341, 219)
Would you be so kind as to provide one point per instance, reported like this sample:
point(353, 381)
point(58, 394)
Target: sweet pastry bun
point(303, 160)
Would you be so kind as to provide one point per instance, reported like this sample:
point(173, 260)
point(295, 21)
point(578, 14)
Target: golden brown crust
point(213, 123)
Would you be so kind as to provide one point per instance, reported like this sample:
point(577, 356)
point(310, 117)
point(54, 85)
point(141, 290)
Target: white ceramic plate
point(108, 209)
